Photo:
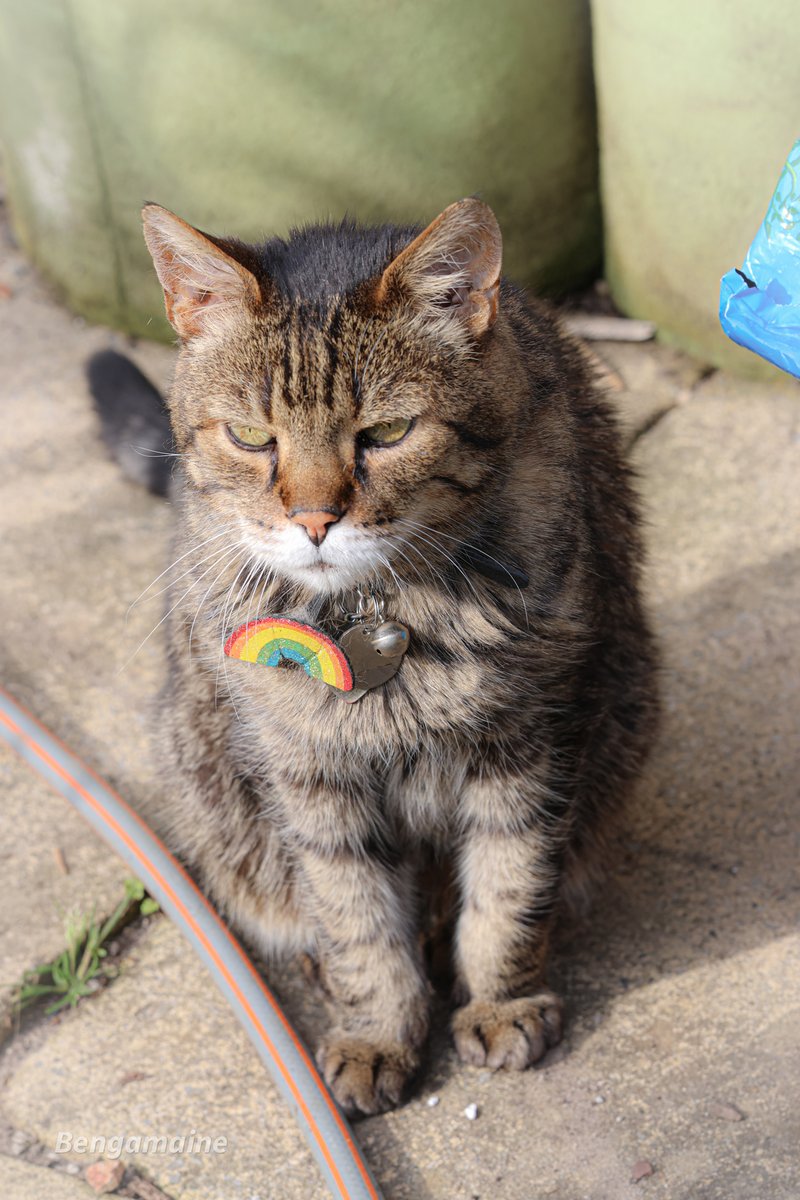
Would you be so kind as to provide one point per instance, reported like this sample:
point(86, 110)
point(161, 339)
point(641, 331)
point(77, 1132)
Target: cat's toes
point(367, 1077)
point(512, 1034)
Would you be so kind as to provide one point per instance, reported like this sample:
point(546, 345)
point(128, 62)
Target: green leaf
point(134, 889)
point(52, 1008)
point(81, 960)
point(37, 989)
point(60, 974)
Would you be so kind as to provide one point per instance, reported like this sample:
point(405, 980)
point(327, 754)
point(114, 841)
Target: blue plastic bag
point(759, 305)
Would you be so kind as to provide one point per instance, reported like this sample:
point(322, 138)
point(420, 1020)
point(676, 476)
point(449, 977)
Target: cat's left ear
point(451, 271)
point(204, 284)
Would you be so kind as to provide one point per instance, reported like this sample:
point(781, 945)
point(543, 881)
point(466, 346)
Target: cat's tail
point(133, 419)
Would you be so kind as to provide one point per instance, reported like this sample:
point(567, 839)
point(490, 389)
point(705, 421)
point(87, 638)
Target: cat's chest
point(407, 743)
point(420, 700)
point(407, 751)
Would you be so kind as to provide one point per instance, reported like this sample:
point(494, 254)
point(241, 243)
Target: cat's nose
point(316, 523)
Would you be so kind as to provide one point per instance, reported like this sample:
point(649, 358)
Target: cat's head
point(338, 405)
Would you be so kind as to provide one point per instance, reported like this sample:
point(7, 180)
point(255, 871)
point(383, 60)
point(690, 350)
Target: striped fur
point(518, 720)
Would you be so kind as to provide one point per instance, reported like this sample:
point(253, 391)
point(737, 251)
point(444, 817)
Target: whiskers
point(398, 541)
point(148, 452)
point(431, 536)
point(228, 553)
point(215, 537)
point(253, 589)
point(414, 534)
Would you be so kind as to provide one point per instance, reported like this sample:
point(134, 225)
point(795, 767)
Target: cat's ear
point(203, 284)
point(451, 270)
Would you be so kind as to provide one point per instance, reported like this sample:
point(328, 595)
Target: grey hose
point(283, 1054)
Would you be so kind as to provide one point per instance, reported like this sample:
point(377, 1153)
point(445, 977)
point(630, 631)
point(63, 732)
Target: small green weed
point(67, 976)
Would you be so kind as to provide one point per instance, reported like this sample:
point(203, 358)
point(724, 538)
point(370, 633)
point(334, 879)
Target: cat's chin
point(324, 577)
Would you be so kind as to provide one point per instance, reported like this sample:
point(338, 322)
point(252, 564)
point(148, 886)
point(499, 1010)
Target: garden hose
point(289, 1063)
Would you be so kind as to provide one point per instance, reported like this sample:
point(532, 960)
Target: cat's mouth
point(344, 559)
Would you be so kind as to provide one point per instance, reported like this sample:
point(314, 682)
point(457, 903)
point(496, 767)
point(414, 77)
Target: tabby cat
point(371, 422)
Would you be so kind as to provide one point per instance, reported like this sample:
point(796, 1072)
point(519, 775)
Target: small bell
point(390, 638)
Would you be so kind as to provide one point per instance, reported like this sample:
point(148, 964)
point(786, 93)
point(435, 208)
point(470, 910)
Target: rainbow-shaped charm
point(273, 640)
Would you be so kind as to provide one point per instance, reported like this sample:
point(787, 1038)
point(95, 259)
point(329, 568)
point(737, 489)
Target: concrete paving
point(21, 1181)
point(683, 993)
point(74, 545)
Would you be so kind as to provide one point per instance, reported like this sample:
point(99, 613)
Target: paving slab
point(644, 381)
point(646, 1075)
point(683, 991)
point(21, 1181)
point(720, 480)
point(51, 866)
point(163, 1056)
point(77, 544)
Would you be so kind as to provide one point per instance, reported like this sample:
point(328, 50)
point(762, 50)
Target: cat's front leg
point(363, 912)
point(509, 877)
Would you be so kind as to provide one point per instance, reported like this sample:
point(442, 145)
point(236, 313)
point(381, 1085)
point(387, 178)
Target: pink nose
point(315, 523)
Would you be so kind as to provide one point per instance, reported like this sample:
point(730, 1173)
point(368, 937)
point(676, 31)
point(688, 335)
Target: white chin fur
point(346, 557)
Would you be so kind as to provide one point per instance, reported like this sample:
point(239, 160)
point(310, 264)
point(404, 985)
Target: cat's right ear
point(451, 272)
point(204, 286)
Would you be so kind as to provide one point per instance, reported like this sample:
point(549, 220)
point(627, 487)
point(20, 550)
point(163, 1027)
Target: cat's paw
point(507, 1033)
point(367, 1077)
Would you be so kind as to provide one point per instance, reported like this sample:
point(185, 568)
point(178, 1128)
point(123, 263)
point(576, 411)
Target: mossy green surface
point(251, 118)
point(698, 108)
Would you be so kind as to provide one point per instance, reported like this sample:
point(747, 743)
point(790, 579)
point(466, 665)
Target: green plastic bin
point(699, 105)
point(252, 117)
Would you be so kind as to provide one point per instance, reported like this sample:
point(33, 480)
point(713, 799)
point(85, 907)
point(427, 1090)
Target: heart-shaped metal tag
point(374, 655)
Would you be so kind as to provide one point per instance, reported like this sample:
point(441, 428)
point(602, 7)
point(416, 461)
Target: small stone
point(20, 1142)
point(595, 327)
point(104, 1177)
point(599, 1100)
point(60, 860)
point(131, 1077)
point(726, 1112)
point(432, 1101)
point(641, 1170)
point(471, 1112)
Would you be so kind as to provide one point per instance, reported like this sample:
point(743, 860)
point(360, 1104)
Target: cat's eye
point(386, 433)
point(249, 437)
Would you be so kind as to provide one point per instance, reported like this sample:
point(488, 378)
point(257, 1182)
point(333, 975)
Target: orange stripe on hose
point(139, 854)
